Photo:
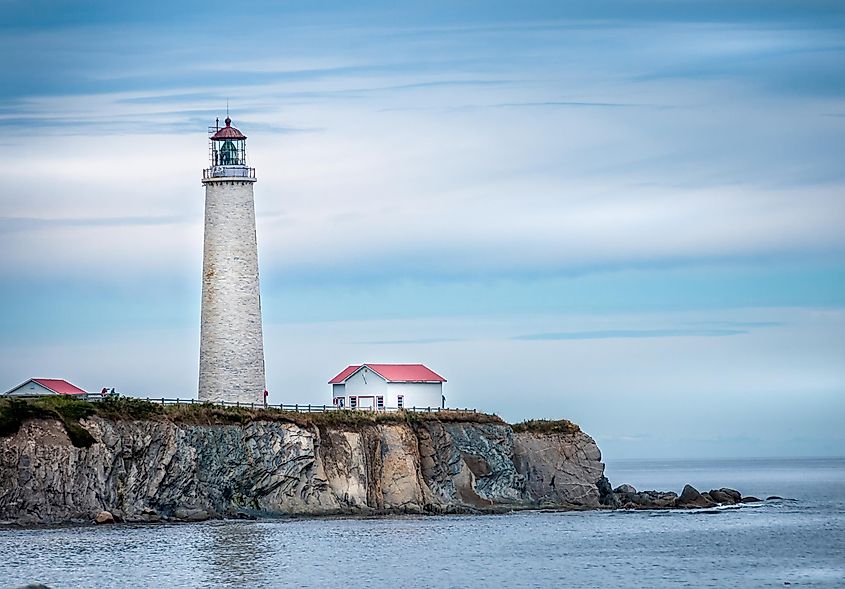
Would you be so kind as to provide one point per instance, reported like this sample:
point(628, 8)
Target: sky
point(630, 214)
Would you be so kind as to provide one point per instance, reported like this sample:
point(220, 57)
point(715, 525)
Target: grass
point(547, 426)
point(69, 410)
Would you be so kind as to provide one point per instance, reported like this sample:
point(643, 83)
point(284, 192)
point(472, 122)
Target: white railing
point(228, 172)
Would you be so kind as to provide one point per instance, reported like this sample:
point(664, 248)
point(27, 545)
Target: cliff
point(166, 466)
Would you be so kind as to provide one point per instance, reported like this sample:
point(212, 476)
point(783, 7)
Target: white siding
point(365, 382)
point(30, 388)
point(369, 384)
point(416, 394)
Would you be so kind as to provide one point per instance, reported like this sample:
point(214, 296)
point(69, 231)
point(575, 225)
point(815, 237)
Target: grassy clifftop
point(547, 426)
point(68, 410)
point(13, 412)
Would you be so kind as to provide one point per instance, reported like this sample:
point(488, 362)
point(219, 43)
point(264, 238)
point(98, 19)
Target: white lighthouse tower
point(231, 338)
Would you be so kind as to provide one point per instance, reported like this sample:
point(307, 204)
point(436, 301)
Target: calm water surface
point(801, 542)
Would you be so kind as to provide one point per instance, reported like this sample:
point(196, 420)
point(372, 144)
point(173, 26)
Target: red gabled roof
point(59, 386)
point(393, 373)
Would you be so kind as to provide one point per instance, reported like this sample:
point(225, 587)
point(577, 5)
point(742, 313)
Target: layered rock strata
point(151, 470)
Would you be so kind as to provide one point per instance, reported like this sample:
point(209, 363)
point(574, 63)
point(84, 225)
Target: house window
point(353, 402)
point(400, 401)
point(380, 403)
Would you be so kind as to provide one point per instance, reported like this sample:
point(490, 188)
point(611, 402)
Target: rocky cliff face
point(150, 470)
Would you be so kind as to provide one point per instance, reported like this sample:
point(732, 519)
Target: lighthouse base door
point(366, 403)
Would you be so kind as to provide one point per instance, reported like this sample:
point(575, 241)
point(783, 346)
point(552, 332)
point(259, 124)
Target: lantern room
point(227, 147)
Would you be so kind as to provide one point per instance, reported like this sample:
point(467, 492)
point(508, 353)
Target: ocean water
point(800, 542)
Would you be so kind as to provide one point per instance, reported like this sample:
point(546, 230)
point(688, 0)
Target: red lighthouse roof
point(228, 132)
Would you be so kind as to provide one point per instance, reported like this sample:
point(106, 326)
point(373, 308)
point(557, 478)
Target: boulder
point(774, 498)
point(750, 499)
point(732, 493)
point(606, 495)
point(604, 486)
point(191, 515)
point(625, 490)
point(721, 497)
point(690, 497)
point(611, 500)
point(664, 503)
point(644, 498)
point(104, 517)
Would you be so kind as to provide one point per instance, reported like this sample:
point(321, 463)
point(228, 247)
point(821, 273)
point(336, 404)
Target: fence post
point(309, 407)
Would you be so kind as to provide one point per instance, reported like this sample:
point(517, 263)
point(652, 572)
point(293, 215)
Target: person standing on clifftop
point(265, 398)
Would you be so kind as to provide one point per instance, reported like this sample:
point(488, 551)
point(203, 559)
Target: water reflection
point(239, 554)
point(760, 547)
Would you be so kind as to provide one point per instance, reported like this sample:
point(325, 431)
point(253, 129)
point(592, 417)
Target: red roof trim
point(392, 373)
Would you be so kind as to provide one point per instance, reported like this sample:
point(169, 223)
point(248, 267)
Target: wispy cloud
point(411, 341)
point(630, 333)
point(15, 224)
point(540, 104)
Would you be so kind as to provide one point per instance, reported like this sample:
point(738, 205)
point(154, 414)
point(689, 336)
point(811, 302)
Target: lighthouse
point(231, 339)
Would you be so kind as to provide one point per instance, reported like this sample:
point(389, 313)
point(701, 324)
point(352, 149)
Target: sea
point(797, 541)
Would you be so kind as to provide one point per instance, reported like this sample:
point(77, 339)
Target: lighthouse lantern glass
point(231, 152)
point(227, 151)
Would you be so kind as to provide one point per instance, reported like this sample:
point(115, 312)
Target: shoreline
point(392, 514)
point(122, 459)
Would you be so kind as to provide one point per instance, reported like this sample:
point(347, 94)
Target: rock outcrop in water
point(153, 469)
point(627, 497)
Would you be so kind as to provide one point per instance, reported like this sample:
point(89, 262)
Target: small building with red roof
point(37, 387)
point(387, 386)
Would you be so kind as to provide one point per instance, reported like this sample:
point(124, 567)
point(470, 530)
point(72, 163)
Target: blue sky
point(627, 213)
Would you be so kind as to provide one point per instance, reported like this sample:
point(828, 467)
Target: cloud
point(412, 341)
point(630, 333)
point(544, 104)
point(16, 224)
point(448, 175)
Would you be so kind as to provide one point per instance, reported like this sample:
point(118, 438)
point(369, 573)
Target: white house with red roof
point(44, 386)
point(387, 386)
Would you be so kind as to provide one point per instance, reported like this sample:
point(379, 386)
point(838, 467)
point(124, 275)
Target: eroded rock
point(690, 497)
point(149, 471)
point(104, 517)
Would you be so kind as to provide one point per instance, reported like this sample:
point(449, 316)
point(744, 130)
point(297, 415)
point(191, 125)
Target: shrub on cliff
point(68, 410)
point(117, 407)
point(13, 412)
point(547, 426)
